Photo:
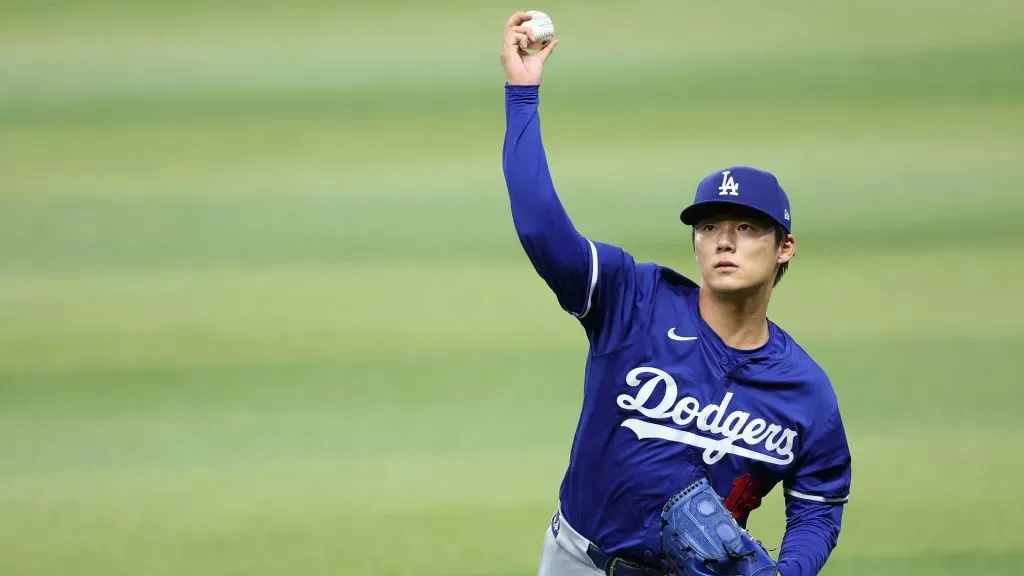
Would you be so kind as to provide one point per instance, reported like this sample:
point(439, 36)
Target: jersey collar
point(729, 359)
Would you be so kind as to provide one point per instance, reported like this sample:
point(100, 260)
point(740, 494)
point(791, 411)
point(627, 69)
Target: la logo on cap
point(729, 185)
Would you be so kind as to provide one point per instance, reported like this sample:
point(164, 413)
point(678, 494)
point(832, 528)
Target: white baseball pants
point(565, 551)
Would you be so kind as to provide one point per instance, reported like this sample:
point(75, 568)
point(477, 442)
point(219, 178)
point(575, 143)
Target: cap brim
point(696, 212)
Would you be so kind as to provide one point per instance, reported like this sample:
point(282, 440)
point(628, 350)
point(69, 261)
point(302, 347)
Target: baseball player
point(683, 378)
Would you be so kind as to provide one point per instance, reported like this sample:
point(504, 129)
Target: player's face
point(737, 251)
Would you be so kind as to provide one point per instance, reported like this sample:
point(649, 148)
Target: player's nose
point(725, 243)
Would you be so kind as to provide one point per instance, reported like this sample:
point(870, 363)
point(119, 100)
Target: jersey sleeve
point(824, 472)
point(593, 281)
point(815, 495)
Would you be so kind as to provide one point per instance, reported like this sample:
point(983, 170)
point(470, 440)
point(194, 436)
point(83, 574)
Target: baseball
point(542, 27)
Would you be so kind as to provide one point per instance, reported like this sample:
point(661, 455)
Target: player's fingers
point(515, 43)
point(517, 19)
point(547, 50)
point(512, 42)
point(524, 30)
point(521, 40)
point(515, 36)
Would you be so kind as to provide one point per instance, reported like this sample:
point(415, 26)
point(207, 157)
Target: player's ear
point(787, 248)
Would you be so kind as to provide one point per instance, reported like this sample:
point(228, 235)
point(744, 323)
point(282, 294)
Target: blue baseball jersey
point(664, 396)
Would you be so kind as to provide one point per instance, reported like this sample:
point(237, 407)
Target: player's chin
point(728, 282)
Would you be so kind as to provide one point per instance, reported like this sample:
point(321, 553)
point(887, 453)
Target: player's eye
point(708, 227)
point(745, 227)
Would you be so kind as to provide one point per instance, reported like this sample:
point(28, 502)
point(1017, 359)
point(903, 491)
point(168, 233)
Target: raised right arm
point(559, 253)
point(593, 281)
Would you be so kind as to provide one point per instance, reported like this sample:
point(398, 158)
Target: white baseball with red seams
point(542, 27)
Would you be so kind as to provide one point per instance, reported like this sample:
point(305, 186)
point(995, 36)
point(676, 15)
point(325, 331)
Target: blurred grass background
point(263, 311)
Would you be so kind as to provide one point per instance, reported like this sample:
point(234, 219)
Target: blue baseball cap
point(752, 188)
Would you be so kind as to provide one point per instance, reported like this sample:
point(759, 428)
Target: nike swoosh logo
point(672, 334)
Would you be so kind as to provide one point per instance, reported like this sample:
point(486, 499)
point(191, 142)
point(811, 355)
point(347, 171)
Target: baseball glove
point(701, 538)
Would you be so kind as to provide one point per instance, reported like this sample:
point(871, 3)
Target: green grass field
point(263, 311)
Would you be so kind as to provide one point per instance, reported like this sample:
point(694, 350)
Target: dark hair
point(780, 237)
